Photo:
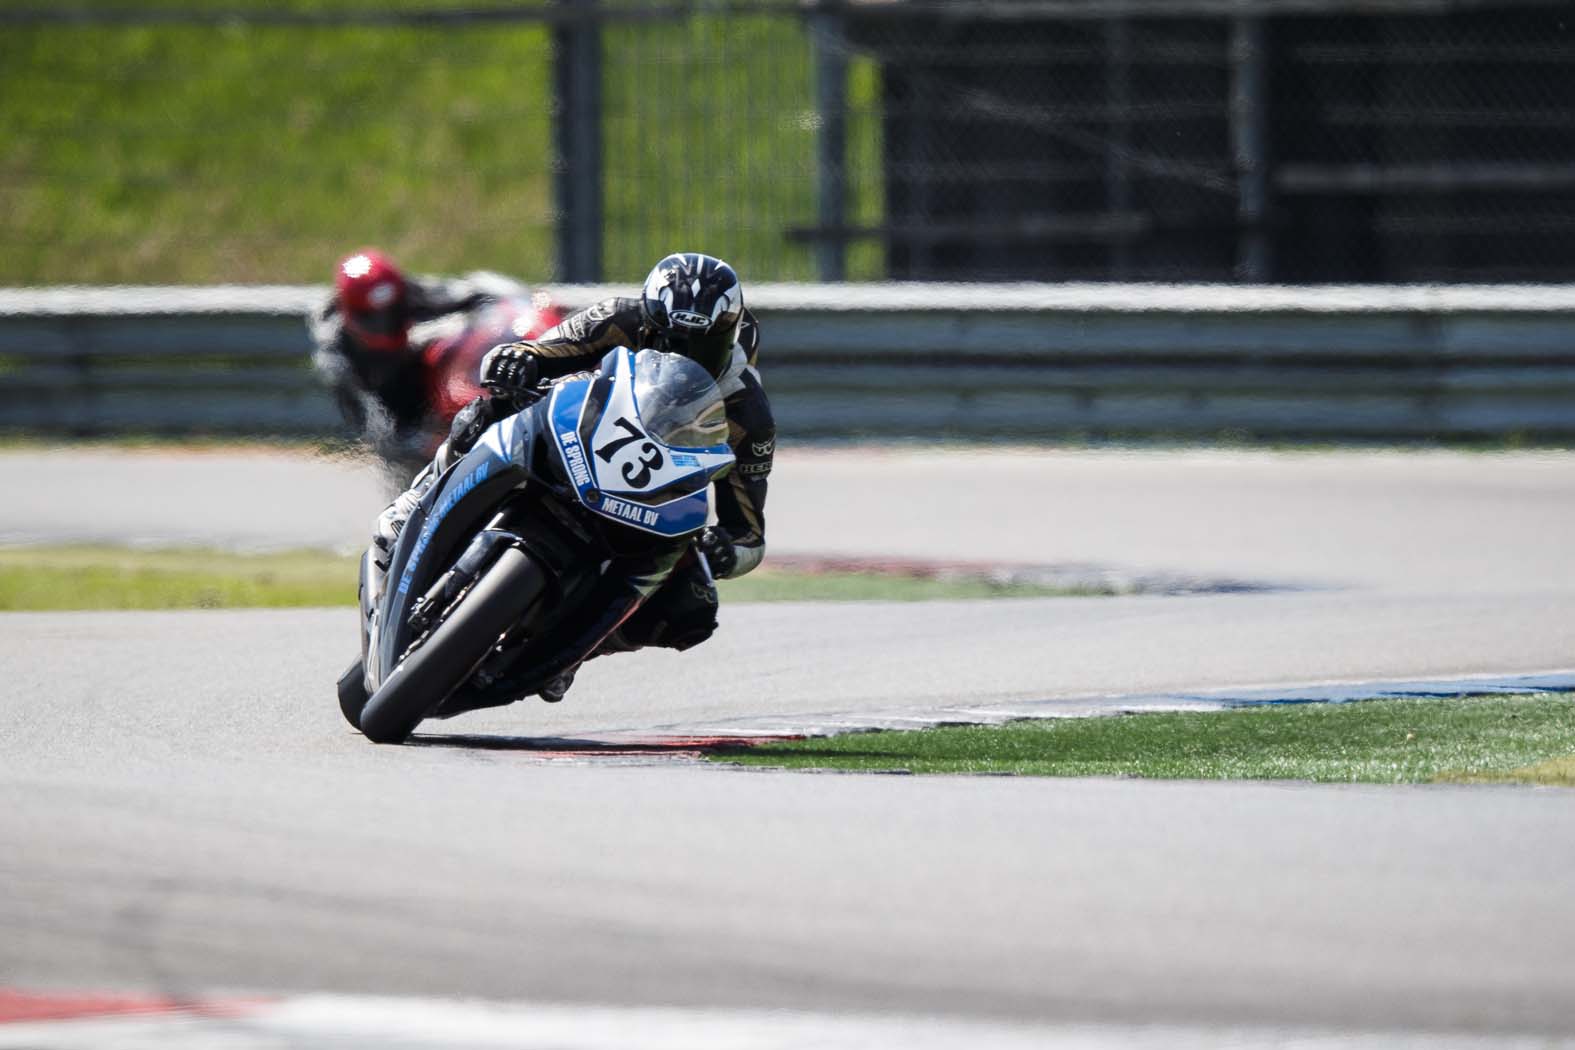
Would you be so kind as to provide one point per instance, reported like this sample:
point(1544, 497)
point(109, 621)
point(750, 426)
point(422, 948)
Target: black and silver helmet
point(693, 305)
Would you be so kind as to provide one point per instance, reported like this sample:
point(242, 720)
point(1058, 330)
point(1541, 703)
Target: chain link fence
point(1276, 141)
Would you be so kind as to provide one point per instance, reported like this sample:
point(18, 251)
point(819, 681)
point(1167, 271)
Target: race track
point(190, 816)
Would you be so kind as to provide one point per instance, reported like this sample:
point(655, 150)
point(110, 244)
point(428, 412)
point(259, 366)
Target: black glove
point(717, 546)
point(509, 369)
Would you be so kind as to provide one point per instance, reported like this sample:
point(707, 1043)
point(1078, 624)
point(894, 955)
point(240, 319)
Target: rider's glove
point(717, 546)
point(509, 369)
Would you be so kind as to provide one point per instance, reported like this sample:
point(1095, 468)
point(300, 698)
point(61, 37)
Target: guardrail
point(964, 361)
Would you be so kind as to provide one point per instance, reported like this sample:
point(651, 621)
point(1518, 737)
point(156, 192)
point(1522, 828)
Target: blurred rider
point(362, 333)
point(693, 305)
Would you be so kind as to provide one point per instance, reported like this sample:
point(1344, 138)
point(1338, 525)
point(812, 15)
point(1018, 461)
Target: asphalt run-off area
point(198, 847)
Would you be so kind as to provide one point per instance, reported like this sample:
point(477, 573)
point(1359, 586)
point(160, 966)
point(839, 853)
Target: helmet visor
point(710, 350)
point(378, 329)
point(377, 322)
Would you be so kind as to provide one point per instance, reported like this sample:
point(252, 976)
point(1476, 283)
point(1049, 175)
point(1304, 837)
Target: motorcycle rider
point(691, 304)
point(362, 333)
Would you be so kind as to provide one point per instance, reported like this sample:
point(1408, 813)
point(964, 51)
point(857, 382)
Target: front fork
point(370, 592)
point(482, 552)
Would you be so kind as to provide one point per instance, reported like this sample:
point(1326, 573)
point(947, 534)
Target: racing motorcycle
point(453, 356)
point(516, 532)
point(451, 349)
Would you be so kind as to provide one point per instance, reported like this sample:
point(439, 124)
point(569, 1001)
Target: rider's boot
point(554, 690)
point(389, 525)
point(616, 642)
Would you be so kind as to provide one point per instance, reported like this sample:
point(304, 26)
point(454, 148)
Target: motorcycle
point(453, 358)
point(516, 532)
point(451, 349)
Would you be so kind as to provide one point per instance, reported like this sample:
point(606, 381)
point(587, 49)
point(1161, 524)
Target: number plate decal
point(619, 469)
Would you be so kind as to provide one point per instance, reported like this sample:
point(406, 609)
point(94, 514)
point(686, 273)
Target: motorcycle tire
point(352, 693)
point(502, 597)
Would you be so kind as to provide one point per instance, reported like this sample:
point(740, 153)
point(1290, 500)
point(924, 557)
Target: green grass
point(63, 578)
point(1525, 739)
point(768, 585)
point(1553, 772)
point(17, 440)
point(235, 152)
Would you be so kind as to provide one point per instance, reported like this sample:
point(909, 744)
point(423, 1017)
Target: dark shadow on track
point(590, 747)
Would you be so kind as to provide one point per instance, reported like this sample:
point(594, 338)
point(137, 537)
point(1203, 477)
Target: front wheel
point(352, 693)
point(427, 676)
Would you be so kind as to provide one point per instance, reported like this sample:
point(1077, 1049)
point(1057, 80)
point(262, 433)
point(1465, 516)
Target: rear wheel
point(427, 676)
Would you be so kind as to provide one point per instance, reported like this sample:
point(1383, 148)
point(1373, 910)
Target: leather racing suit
point(580, 340)
point(682, 611)
point(395, 379)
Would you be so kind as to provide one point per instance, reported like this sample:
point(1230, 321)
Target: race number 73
point(636, 472)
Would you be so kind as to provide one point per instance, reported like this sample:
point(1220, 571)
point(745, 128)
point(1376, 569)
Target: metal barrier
point(892, 361)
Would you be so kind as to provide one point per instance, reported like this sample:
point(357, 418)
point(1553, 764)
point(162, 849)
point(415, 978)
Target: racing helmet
point(372, 300)
point(692, 305)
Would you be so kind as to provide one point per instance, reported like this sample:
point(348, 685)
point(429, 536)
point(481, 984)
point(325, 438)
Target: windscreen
point(679, 402)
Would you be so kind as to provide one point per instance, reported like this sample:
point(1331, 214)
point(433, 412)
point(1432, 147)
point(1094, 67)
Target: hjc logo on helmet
point(689, 319)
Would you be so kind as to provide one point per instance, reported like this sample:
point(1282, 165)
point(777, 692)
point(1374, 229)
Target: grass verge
point(1475, 739)
point(69, 578)
point(74, 578)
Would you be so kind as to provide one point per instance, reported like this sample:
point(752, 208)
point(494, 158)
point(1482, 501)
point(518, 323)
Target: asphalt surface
point(1418, 521)
point(187, 813)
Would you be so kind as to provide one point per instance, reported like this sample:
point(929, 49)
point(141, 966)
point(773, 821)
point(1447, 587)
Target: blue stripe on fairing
point(456, 492)
point(567, 400)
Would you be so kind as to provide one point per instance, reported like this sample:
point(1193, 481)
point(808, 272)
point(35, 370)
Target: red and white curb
point(52, 1021)
point(1084, 579)
point(693, 742)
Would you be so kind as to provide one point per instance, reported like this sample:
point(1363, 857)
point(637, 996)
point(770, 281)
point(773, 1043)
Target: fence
point(1272, 140)
point(1214, 140)
point(1030, 362)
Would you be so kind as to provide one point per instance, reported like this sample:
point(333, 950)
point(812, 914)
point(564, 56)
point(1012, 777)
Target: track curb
point(695, 741)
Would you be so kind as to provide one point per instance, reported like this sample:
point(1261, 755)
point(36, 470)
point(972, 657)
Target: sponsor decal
point(763, 448)
point(684, 459)
point(754, 470)
point(598, 312)
point(574, 456)
point(439, 512)
point(630, 512)
point(690, 319)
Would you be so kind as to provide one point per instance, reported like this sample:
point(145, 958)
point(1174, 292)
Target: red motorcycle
point(451, 350)
point(453, 362)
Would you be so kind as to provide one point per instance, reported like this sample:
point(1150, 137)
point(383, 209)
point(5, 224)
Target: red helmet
point(372, 300)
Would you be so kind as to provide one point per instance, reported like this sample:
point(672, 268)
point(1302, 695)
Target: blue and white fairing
point(642, 440)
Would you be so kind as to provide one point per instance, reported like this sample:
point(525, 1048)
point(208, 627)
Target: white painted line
point(365, 1023)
